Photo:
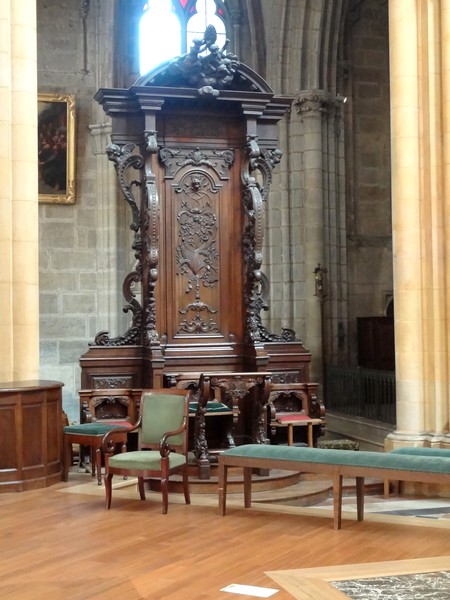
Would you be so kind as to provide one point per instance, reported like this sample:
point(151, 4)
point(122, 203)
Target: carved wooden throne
point(194, 144)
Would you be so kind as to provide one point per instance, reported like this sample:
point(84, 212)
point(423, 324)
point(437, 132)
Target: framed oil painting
point(56, 148)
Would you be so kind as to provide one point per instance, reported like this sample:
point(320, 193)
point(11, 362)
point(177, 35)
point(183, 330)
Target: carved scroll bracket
point(261, 162)
point(124, 159)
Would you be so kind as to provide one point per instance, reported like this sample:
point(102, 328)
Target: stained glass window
point(168, 27)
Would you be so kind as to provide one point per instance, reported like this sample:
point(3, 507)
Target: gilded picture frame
point(56, 148)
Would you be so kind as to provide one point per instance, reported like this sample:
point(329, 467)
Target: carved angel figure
point(215, 69)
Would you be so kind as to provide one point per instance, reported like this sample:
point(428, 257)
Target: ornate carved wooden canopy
point(194, 144)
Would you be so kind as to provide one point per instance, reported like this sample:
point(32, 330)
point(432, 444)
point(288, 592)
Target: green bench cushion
point(384, 460)
point(211, 407)
point(91, 428)
point(413, 451)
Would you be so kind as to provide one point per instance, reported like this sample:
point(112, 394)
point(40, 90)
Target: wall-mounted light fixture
point(320, 284)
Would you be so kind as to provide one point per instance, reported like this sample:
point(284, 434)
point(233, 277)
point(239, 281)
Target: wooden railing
point(361, 392)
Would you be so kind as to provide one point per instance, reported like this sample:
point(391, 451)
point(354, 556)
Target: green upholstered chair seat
point(211, 407)
point(92, 428)
point(144, 460)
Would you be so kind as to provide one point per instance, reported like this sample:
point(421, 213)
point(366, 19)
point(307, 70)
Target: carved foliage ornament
point(197, 254)
point(124, 159)
point(256, 178)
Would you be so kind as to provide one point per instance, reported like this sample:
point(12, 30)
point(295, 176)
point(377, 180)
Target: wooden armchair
point(100, 411)
point(296, 404)
point(240, 397)
point(163, 444)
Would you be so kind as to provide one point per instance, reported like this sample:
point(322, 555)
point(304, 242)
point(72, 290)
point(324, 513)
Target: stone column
point(419, 70)
point(19, 271)
point(309, 133)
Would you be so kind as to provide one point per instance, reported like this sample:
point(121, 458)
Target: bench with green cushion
point(413, 451)
point(417, 451)
point(335, 463)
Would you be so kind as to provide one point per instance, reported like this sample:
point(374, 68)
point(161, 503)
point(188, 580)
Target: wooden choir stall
point(194, 145)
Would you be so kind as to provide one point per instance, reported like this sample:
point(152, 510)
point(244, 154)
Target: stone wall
point(74, 57)
point(368, 202)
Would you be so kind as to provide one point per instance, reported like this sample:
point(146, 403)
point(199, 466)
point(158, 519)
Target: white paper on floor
point(249, 590)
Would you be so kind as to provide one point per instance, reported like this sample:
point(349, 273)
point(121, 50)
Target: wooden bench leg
point(247, 487)
point(222, 488)
point(360, 498)
point(337, 500)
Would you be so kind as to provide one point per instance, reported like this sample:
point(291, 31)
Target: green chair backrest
point(162, 413)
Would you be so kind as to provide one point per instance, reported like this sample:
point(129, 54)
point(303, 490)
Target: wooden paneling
point(31, 422)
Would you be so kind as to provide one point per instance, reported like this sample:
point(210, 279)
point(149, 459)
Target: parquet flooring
point(66, 546)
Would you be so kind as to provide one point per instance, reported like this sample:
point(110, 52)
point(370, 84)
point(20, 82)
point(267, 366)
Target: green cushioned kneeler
point(211, 407)
point(338, 444)
point(144, 459)
point(91, 428)
point(384, 460)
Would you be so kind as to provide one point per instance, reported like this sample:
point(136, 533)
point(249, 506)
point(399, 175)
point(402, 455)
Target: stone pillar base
point(420, 439)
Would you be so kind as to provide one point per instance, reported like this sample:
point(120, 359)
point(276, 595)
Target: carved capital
point(101, 133)
point(313, 103)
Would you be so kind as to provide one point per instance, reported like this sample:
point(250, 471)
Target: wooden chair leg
point(93, 460)
point(67, 452)
point(290, 434)
point(187, 496)
point(165, 484)
point(98, 465)
point(108, 489)
point(141, 488)
point(165, 494)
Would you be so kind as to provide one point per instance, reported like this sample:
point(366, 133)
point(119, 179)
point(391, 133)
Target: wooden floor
point(66, 546)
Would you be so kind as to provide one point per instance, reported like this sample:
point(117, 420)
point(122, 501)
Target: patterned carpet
point(398, 580)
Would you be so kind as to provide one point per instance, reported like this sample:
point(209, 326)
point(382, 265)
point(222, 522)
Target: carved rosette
point(124, 159)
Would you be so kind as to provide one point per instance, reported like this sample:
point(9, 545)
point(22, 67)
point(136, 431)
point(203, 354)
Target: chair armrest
point(108, 443)
point(164, 446)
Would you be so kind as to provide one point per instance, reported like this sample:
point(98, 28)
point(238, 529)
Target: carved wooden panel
point(203, 266)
